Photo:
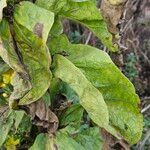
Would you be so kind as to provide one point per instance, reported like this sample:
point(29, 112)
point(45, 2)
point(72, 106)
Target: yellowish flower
point(7, 76)
point(11, 143)
point(5, 95)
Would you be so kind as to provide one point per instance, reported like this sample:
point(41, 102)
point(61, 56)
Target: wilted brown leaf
point(112, 11)
point(111, 143)
point(42, 116)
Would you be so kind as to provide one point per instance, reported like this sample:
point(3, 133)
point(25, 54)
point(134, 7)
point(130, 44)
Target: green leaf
point(2, 5)
point(9, 55)
point(57, 28)
point(73, 115)
point(59, 87)
point(37, 62)
point(84, 12)
point(3, 101)
point(24, 126)
point(3, 67)
point(70, 94)
point(42, 142)
point(85, 139)
point(118, 92)
point(31, 35)
point(18, 118)
point(7, 49)
point(52, 5)
point(5, 125)
point(63, 141)
point(54, 89)
point(79, 0)
point(46, 98)
point(9, 118)
point(90, 139)
point(90, 98)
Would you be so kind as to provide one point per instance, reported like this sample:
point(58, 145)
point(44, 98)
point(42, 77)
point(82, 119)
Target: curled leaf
point(11, 57)
point(31, 35)
point(42, 116)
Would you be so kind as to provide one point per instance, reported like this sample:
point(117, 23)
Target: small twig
point(135, 48)
point(145, 109)
point(145, 98)
point(88, 38)
point(127, 25)
point(144, 55)
point(105, 49)
point(121, 46)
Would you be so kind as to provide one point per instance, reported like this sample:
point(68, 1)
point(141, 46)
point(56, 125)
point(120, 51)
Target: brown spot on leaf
point(38, 29)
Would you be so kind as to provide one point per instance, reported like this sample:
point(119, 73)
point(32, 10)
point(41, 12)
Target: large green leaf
point(83, 138)
point(2, 5)
point(90, 98)
point(84, 12)
point(42, 142)
point(87, 139)
point(37, 61)
point(64, 141)
point(61, 141)
point(117, 90)
point(90, 138)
